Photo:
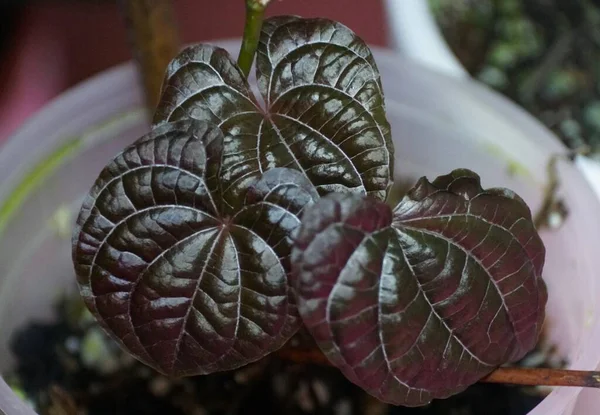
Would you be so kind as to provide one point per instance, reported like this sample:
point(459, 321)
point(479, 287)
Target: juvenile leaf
point(419, 303)
point(324, 113)
point(182, 284)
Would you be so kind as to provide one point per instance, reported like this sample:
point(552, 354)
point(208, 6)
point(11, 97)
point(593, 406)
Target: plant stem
point(544, 377)
point(154, 41)
point(552, 203)
point(255, 11)
point(303, 355)
point(506, 375)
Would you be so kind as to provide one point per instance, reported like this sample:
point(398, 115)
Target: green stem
point(255, 11)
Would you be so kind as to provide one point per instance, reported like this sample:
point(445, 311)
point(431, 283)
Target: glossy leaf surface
point(182, 247)
point(185, 286)
point(324, 111)
point(421, 302)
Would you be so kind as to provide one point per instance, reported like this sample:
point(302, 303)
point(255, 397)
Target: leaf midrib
point(478, 262)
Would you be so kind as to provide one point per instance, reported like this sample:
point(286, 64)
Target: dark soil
point(71, 367)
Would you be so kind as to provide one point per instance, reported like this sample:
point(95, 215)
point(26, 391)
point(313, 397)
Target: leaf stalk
point(506, 375)
point(544, 377)
point(255, 12)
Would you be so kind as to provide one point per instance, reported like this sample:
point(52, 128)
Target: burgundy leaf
point(182, 247)
point(183, 285)
point(324, 116)
point(420, 303)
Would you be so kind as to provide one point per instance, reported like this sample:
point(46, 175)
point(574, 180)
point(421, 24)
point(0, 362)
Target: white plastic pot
point(72, 139)
point(46, 167)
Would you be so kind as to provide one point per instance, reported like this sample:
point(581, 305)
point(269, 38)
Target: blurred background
point(544, 54)
point(47, 46)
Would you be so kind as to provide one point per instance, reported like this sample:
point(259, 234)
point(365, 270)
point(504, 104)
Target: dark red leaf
point(421, 302)
point(182, 247)
point(324, 116)
point(185, 287)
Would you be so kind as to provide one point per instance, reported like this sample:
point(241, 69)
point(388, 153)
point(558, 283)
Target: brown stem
point(154, 40)
point(544, 377)
point(506, 375)
point(305, 356)
point(552, 202)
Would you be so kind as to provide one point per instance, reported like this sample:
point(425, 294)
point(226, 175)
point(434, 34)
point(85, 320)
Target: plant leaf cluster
point(209, 242)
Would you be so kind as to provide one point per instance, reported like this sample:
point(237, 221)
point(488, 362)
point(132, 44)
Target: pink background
point(60, 43)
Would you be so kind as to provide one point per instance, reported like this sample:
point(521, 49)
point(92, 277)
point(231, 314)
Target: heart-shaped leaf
point(324, 112)
point(421, 302)
point(183, 285)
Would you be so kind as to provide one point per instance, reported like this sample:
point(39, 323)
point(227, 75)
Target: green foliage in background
point(543, 54)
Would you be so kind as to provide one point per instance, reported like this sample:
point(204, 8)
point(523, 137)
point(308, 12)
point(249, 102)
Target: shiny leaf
point(324, 113)
point(183, 284)
point(421, 302)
